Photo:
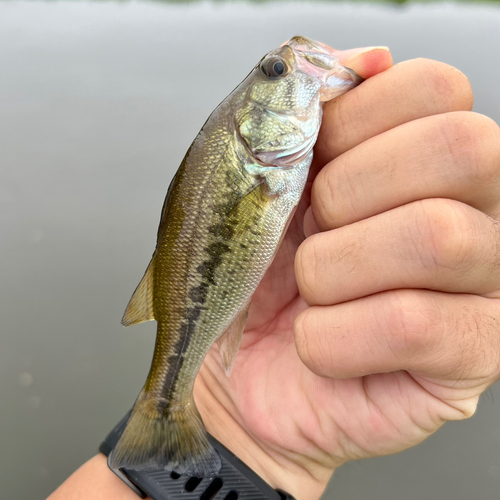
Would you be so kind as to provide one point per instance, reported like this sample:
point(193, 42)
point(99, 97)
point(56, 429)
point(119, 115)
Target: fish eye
point(274, 67)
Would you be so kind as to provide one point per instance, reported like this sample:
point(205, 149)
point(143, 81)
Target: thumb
point(366, 61)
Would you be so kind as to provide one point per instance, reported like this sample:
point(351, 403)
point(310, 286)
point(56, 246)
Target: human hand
point(396, 323)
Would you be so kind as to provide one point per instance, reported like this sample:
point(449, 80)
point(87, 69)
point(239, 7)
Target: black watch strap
point(235, 480)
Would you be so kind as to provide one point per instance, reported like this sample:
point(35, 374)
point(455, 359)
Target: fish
point(224, 216)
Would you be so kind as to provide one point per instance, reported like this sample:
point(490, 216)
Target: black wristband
point(235, 480)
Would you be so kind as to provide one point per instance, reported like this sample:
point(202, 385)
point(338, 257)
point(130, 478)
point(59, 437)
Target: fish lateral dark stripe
point(199, 293)
point(194, 313)
point(216, 249)
point(176, 360)
point(206, 269)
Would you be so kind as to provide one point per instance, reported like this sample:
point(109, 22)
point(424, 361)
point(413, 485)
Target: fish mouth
point(318, 60)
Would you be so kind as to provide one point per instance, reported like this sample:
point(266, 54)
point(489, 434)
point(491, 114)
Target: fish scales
point(223, 219)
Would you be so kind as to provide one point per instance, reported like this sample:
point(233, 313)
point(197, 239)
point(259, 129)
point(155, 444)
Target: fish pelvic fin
point(140, 306)
point(229, 341)
point(164, 438)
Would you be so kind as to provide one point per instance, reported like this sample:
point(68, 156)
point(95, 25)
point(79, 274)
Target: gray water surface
point(98, 104)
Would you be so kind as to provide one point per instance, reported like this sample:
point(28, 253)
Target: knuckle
point(450, 85)
point(479, 338)
point(445, 235)
point(473, 335)
point(414, 324)
point(474, 141)
point(488, 149)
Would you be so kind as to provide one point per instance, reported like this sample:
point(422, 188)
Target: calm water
point(98, 103)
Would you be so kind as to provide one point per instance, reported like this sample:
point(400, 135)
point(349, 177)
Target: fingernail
point(351, 54)
point(309, 225)
point(364, 50)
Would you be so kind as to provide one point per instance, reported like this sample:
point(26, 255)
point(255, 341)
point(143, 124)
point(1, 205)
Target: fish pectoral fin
point(229, 341)
point(140, 306)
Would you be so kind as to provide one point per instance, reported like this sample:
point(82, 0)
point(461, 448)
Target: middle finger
point(453, 155)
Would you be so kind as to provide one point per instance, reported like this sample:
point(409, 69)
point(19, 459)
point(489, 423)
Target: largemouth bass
point(222, 222)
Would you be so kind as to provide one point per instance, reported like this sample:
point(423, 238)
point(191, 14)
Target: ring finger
point(429, 333)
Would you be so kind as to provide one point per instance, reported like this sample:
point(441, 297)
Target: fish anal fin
point(140, 306)
point(229, 341)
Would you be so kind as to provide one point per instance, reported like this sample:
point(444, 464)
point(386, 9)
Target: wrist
point(281, 469)
point(93, 481)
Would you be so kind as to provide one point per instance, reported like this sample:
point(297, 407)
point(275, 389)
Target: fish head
point(318, 60)
point(279, 113)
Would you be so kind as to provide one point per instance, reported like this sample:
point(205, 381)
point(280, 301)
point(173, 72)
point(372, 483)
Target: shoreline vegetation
point(394, 2)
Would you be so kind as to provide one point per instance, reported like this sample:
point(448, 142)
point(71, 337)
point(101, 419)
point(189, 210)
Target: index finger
point(405, 92)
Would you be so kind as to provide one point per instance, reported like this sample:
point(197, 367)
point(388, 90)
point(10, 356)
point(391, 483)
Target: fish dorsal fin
point(229, 341)
point(140, 306)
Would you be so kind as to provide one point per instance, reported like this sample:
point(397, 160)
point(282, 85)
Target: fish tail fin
point(163, 438)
